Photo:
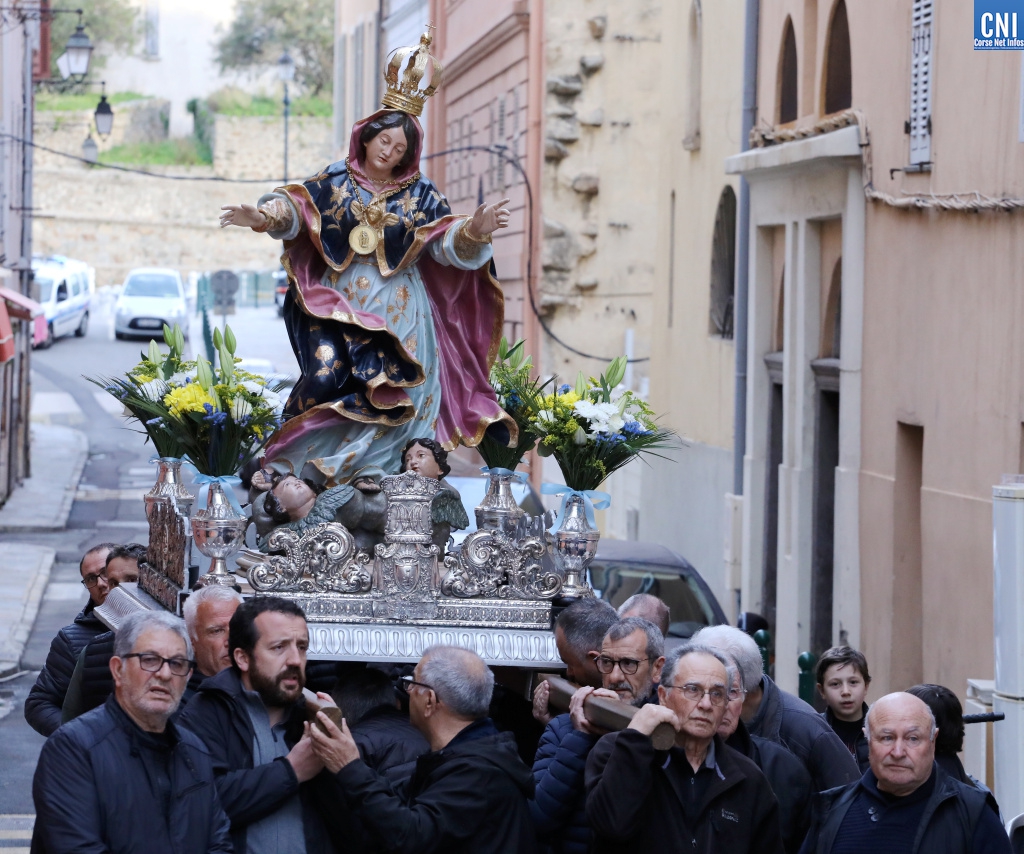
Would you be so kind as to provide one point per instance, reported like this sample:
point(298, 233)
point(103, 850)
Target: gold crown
point(404, 93)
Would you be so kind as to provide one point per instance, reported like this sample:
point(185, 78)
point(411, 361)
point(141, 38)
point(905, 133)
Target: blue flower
point(634, 428)
point(213, 417)
point(565, 388)
point(513, 401)
point(154, 422)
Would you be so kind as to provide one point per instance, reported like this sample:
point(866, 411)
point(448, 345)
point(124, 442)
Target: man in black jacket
point(699, 796)
point(904, 802)
point(44, 701)
point(468, 795)
point(252, 717)
point(122, 777)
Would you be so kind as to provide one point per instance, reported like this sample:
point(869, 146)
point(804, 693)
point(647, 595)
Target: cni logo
point(999, 24)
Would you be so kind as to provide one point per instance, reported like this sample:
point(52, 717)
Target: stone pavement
point(42, 503)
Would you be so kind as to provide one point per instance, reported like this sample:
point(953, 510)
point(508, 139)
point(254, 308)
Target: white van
point(64, 288)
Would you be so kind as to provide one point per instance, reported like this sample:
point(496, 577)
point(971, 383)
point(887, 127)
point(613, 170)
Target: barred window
point(723, 265)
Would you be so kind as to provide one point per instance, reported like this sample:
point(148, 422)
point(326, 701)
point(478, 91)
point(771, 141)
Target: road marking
point(46, 405)
point(109, 403)
point(96, 494)
point(15, 828)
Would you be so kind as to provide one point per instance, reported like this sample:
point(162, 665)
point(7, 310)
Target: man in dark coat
point(559, 804)
point(44, 701)
point(467, 796)
point(786, 774)
point(699, 796)
point(123, 777)
point(388, 742)
point(776, 715)
point(251, 716)
point(904, 802)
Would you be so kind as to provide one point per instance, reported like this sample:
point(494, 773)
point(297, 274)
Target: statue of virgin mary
point(393, 308)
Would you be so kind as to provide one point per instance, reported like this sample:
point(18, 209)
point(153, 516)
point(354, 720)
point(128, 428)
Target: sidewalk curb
point(19, 628)
point(43, 502)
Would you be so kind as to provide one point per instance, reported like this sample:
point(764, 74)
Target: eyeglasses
point(695, 693)
point(91, 581)
point(151, 662)
point(406, 682)
point(629, 666)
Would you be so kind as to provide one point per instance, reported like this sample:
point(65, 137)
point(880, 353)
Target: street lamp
point(90, 151)
point(104, 115)
point(286, 73)
point(78, 52)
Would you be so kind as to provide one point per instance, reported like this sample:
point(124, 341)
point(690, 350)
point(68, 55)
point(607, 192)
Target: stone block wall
point(120, 220)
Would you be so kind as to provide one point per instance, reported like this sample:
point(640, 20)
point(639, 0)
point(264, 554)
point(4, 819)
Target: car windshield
point(616, 581)
point(151, 285)
point(43, 288)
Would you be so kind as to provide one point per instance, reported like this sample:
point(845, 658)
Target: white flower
point(545, 418)
point(154, 389)
point(603, 417)
point(580, 436)
point(254, 387)
point(240, 408)
point(180, 377)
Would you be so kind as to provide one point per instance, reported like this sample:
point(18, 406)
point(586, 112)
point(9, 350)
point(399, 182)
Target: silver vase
point(499, 511)
point(219, 532)
point(575, 547)
point(168, 487)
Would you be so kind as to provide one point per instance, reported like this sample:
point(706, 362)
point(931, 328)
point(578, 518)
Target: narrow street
point(108, 506)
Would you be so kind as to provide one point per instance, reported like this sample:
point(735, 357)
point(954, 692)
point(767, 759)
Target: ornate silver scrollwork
point(492, 564)
point(323, 559)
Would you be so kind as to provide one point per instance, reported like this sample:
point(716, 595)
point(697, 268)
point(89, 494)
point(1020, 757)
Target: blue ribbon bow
point(592, 499)
point(521, 476)
point(228, 481)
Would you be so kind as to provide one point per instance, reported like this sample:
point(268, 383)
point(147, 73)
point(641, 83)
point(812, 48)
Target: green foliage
point(166, 152)
point(594, 428)
point(202, 128)
point(232, 101)
point(263, 29)
point(217, 419)
point(519, 396)
point(69, 101)
point(112, 25)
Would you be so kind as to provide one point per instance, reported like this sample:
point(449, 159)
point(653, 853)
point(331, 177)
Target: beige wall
point(936, 331)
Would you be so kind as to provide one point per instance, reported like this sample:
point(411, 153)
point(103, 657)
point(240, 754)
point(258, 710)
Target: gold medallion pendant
point(363, 239)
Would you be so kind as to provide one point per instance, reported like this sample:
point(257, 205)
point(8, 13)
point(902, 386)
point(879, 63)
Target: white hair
point(460, 679)
point(212, 593)
point(740, 647)
point(128, 632)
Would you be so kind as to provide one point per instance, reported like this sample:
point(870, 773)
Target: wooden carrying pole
point(612, 715)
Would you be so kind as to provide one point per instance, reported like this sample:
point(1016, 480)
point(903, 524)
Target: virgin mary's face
point(385, 150)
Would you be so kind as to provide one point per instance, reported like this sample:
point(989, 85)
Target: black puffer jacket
point(788, 778)
point(467, 798)
point(859, 748)
point(45, 700)
point(388, 743)
point(96, 789)
point(789, 721)
point(217, 714)
point(559, 806)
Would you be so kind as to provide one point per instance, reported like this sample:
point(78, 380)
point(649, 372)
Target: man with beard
point(251, 716)
point(632, 655)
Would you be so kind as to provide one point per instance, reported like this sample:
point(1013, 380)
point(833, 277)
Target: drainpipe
point(749, 116)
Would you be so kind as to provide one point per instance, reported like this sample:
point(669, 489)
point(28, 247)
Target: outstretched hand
point(336, 747)
point(246, 216)
point(489, 218)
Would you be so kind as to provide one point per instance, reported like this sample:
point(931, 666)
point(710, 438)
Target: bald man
point(904, 801)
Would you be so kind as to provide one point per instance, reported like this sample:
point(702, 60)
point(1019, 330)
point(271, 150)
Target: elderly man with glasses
point(44, 701)
point(467, 796)
point(699, 795)
point(123, 777)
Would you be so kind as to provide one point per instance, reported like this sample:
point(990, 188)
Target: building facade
point(19, 40)
point(884, 390)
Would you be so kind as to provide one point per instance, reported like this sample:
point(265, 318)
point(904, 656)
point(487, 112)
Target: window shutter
point(921, 84)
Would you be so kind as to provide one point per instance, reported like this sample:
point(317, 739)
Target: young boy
point(843, 681)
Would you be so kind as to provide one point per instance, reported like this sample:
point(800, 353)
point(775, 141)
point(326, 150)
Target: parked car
point(624, 567)
point(64, 288)
point(151, 297)
point(472, 490)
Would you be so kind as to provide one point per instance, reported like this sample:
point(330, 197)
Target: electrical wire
point(502, 151)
